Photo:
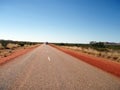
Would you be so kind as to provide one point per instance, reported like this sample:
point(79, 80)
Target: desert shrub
point(10, 51)
point(1, 47)
point(113, 47)
point(115, 57)
point(11, 46)
point(4, 44)
point(99, 54)
point(21, 44)
point(102, 49)
point(5, 55)
point(99, 47)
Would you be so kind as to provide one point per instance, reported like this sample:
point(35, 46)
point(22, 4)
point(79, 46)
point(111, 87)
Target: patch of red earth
point(16, 54)
point(106, 65)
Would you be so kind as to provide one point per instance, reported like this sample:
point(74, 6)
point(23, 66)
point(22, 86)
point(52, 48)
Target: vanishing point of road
point(46, 68)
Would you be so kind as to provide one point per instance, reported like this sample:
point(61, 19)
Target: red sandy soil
point(104, 64)
point(16, 54)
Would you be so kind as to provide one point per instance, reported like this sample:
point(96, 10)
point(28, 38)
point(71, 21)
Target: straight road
point(46, 68)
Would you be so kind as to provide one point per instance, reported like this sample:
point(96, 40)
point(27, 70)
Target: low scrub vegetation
point(5, 43)
point(111, 52)
point(9, 46)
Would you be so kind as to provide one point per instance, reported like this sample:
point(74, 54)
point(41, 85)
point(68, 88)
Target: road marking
point(49, 59)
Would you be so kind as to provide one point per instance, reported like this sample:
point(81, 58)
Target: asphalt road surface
point(46, 68)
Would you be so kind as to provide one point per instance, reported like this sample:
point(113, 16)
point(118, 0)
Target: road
point(46, 68)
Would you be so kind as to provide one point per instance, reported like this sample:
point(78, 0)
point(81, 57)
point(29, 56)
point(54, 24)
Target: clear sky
point(71, 21)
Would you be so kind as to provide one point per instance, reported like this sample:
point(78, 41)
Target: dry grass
point(12, 46)
point(1, 47)
point(5, 53)
point(10, 49)
point(111, 54)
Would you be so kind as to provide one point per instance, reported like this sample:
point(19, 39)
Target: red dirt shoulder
point(104, 64)
point(15, 54)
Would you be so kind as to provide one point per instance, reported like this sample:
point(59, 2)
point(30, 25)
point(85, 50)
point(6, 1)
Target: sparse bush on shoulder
point(115, 57)
point(113, 47)
point(4, 44)
point(102, 49)
point(12, 46)
point(99, 46)
point(1, 47)
point(21, 44)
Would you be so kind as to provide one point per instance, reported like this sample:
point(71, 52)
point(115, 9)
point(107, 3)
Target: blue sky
point(71, 21)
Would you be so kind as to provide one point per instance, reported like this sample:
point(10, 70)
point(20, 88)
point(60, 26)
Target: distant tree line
point(4, 43)
point(100, 46)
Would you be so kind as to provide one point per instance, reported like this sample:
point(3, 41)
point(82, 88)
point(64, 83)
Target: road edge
point(106, 65)
point(16, 54)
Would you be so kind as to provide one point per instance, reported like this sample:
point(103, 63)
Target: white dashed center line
point(49, 59)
